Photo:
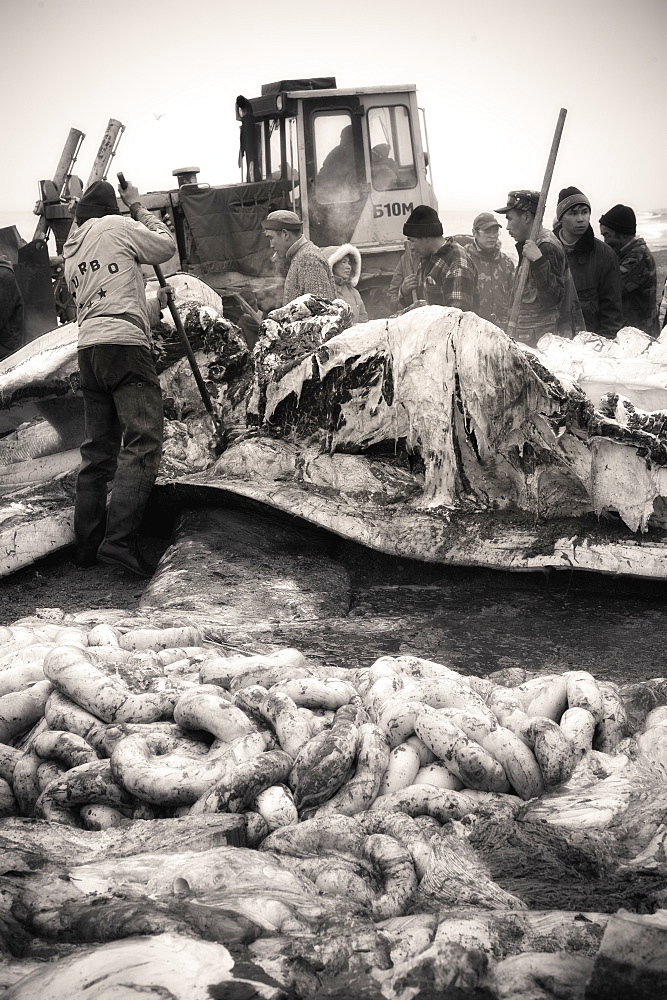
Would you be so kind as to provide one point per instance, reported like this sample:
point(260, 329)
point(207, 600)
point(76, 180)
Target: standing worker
point(121, 390)
point(446, 276)
point(11, 309)
point(593, 264)
point(495, 270)
point(309, 270)
point(549, 303)
point(618, 228)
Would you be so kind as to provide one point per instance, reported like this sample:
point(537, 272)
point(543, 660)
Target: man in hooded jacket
point(121, 390)
point(593, 265)
point(11, 309)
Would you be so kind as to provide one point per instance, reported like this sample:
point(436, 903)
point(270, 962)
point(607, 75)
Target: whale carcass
point(429, 435)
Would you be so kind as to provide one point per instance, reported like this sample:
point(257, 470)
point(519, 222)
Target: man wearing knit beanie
point(121, 391)
point(618, 228)
point(308, 270)
point(446, 275)
point(593, 265)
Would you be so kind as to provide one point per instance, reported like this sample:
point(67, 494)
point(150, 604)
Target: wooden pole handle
point(524, 264)
point(180, 329)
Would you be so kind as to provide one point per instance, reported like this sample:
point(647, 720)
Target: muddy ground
point(57, 581)
point(368, 604)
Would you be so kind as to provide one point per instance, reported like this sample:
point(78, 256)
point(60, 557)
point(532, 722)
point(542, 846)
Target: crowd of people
point(574, 281)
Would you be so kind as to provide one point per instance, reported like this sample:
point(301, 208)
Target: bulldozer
point(39, 275)
point(353, 163)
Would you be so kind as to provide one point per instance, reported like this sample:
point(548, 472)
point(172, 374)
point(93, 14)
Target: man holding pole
point(549, 302)
point(121, 390)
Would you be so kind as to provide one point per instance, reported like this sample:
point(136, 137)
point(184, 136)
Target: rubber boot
point(90, 521)
point(119, 547)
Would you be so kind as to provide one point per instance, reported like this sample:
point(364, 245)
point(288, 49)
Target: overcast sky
point(492, 76)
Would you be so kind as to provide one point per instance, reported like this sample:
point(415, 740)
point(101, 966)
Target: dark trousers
point(123, 426)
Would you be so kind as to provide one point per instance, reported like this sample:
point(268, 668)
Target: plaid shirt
point(449, 278)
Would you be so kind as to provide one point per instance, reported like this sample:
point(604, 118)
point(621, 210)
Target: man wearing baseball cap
point(446, 275)
point(618, 228)
point(594, 266)
point(549, 303)
point(495, 270)
point(309, 270)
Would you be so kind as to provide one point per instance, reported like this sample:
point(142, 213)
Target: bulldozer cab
point(353, 160)
point(352, 163)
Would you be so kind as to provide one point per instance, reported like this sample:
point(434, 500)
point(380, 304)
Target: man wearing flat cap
point(309, 270)
point(618, 228)
point(446, 275)
point(593, 264)
point(549, 303)
point(495, 270)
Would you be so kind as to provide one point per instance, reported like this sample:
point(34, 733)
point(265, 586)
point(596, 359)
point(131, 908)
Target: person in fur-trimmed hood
point(345, 263)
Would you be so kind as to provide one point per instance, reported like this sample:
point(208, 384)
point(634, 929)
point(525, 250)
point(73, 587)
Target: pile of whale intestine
point(402, 822)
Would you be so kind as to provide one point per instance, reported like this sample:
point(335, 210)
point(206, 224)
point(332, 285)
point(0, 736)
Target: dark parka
point(597, 278)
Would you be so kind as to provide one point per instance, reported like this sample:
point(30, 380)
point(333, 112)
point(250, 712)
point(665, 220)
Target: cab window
point(335, 158)
point(392, 155)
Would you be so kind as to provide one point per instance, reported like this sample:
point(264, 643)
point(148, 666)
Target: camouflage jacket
point(495, 278)
point(640, 307)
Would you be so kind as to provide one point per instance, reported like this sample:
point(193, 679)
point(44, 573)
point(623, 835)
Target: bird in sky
point(157, 117)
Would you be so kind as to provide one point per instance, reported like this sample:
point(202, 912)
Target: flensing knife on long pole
point(522, 276)
point(178, 323)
